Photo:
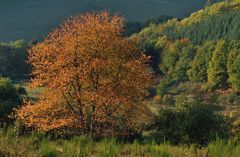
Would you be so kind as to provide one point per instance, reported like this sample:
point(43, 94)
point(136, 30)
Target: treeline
point(215, 63)
point(136, 27)
point(217, 21)
point(215, 27)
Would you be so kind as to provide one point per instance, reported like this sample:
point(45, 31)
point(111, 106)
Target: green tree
point(234, 72)
point(10, 97)
point(187, 54)
point(7, 90)
point(198, 67)
point(217, 69)
point(170, 56)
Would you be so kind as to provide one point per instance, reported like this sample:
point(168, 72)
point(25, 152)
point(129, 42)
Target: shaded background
point(33, 19)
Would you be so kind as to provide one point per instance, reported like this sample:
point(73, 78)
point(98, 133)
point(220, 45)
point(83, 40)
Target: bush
point(10, 97)
point(233, 98)
point(189, 121)
point(168, 100)
point(7, 90)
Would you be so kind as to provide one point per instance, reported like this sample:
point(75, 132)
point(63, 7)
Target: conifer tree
point(217, 70)
point(234, 69)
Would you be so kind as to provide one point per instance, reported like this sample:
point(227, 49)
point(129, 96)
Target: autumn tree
point(95, 79)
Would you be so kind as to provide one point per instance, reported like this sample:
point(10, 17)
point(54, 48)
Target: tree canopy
point(95, 79)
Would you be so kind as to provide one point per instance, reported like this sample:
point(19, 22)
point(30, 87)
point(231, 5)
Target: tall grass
point(39, 145)
point(219, 148)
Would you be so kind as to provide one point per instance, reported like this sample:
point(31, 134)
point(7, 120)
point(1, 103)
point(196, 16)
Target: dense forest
point(202, 48)
point(101, 86)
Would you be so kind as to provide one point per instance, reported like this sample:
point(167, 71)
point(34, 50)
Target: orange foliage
point(95, 79)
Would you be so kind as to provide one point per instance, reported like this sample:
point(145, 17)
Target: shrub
point(10, 97)
point(168, 100)
point(191, 120)
point(233, 98)
point(7, 90)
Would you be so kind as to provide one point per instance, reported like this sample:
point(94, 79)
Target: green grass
point(28, 19)
point(39, 145)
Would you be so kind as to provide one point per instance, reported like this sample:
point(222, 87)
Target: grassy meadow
point(39, 145)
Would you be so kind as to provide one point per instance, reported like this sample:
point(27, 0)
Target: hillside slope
point(202, 48)
point(219, 21)
point(31, 19)
point(198, 58)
